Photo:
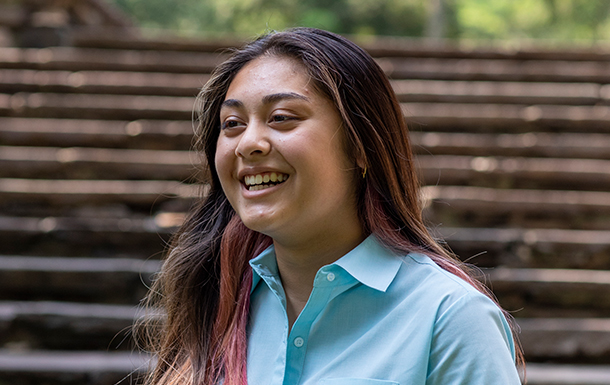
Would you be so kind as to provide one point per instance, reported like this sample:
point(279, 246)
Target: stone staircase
point(95, 174)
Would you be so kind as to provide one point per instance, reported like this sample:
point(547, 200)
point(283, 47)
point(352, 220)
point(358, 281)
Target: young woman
point(308, 261)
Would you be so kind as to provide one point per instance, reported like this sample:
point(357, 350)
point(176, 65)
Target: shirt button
point(298, 342)
point(330, 277)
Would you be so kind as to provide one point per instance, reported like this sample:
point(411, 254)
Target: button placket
point(299, 335)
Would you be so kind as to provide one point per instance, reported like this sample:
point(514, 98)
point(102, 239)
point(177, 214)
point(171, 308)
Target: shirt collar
point(263, 264)
point(370, 263)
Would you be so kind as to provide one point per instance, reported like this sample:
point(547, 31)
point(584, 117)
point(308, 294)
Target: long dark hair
point(204, 285)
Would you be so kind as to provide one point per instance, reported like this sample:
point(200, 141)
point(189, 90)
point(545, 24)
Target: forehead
point(271, 74)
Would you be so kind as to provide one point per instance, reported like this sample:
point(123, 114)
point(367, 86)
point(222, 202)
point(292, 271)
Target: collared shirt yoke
point(375, 318)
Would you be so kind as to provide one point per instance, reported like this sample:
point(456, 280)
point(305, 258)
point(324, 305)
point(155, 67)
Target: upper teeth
point(264, 178)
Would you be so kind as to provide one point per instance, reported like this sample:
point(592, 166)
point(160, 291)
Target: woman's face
point(280, 155)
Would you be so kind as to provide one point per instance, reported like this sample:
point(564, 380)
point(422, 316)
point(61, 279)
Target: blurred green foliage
point(549, 19)
point(562, 20)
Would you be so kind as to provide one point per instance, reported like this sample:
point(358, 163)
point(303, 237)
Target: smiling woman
point(308, 261)
point(274, 121)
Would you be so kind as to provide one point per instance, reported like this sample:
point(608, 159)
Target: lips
point(265, 180)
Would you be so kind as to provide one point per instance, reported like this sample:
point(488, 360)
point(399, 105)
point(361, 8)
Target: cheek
point(223, 159)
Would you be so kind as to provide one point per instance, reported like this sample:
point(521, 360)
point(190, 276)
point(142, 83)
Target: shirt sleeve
point(472, 345)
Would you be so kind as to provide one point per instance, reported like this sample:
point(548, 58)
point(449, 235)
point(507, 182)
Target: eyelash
point(283, 118)
point(278, 118)
point(227, 124)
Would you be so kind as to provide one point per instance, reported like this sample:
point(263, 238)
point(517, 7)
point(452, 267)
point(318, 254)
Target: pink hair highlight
point(239, 245)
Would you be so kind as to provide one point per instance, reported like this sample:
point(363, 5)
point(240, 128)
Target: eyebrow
point(282, 96)
point(267, 99)
point(232, 103)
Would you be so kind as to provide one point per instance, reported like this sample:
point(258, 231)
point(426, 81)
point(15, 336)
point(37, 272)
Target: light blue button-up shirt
point(376, 318)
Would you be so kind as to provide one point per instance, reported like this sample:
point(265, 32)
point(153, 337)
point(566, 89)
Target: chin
point(258, 224)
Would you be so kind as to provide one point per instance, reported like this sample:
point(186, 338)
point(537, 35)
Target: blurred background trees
point(560, 20)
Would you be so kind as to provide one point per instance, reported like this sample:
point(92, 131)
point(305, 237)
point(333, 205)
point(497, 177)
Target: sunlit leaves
point(546, 19)
point(587, 20)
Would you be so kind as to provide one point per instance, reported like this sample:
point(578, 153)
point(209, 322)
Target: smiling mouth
point(263, 181)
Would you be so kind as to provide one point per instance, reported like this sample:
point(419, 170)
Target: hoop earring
point(364, 173)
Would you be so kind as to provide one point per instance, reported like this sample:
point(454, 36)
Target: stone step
point(567, 340)
point(165, 84)
point(117, 280)
point(436, 116)
point(112, 368)
point(511, 118)
point(88, 59)
point(497, 172)
point(554, 374)
point(77, 326)
point(144, 134)
point(516, 172)
point(66, 326)
point(450, 205)
point(92, 106)
point(177, 135)
point(106, 82)
point(96, 163)
point(496, 70)
point(488, 92)
point(488, 207)
point(72, 368)
point(530, 144)
point(58, 195)
point(440, 200)
point(145, 236)
point(117, 40)
point(531, 293)
point(97, 234)
point(527, 292)
point(535, 248)
point(76, 59)
point(174, 135)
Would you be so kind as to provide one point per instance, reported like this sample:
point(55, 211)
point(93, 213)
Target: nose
point(254, 141)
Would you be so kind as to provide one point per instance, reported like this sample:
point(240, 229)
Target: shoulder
point(438, 285)
point(457, 306)
point(470, 333)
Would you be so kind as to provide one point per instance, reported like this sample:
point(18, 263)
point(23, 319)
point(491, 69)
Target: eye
point(280, 118)
point(231, 123)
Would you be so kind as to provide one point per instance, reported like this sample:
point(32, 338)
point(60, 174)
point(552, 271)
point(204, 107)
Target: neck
point(299, 263)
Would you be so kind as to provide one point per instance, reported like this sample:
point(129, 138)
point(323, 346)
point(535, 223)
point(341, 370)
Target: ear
point(361, 164)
